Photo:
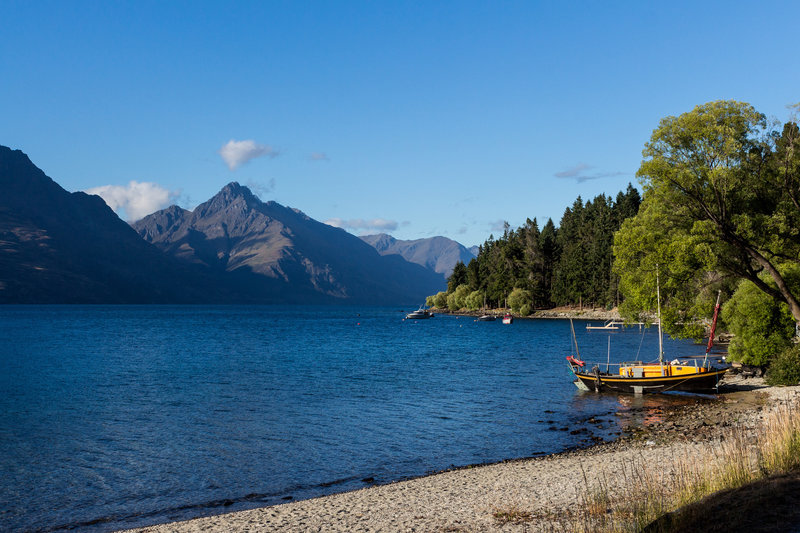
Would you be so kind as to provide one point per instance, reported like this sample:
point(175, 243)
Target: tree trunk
point(786, 293)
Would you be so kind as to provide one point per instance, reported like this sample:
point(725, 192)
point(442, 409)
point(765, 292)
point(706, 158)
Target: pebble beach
point(538, 494)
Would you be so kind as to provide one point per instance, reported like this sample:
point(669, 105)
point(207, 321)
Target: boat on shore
point(637, 377)
point(686, 374)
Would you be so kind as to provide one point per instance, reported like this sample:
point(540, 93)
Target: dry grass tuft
point(512, 515)
point(652, 500)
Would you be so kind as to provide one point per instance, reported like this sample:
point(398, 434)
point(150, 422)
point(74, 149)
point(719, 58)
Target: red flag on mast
point(713, 325)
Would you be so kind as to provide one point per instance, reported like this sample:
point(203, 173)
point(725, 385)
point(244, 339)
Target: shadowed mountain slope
point(439, 254)
point(61, 247)
point(308, 261)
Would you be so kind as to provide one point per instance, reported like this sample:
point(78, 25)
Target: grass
point(655, 501)
point(512, 515)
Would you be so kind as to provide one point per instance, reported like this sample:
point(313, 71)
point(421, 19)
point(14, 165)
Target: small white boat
point(610, 325)
point(419, 314)
point(508, 319)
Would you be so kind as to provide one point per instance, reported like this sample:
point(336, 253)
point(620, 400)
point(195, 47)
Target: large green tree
point(721, 191)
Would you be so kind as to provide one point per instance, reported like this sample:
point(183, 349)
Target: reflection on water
point(624, 412)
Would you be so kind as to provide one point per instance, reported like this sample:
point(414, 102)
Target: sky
point(411, 118)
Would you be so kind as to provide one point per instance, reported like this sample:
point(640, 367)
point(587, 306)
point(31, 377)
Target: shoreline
point(544, 489)
point(554, 313)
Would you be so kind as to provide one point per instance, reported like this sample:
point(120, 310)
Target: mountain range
point(62, 247)
point(439, 254)
point(235, 232)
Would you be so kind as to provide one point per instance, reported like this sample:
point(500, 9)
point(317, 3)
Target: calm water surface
point(122, 416)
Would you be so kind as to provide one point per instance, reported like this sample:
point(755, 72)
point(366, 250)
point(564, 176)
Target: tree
point(458, 277)
point(440, 300)
point(719, 203)
point(474, 300)
point(458, 298)
point(548, 243)
point(518, 299)
point(762, 326)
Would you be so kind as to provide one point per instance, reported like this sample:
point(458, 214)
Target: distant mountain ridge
point(439, 254)
point(305, 260)
point(62, 247)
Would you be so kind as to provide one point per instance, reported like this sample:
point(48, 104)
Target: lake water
point(121, 416)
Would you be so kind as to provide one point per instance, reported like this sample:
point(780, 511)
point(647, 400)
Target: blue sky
point(415, 118)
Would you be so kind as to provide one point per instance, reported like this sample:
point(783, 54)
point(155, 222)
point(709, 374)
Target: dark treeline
point(564, 265)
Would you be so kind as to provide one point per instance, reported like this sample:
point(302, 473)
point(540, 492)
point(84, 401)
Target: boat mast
point(574, 338)
point(660, 339)
point(713, 328)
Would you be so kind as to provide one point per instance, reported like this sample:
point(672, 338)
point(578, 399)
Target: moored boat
point(659, 376)
point(609, 325)
point(638, 377)
point(508, 318)
point(419, 314)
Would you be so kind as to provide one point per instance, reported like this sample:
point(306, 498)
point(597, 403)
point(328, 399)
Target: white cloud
point(260, 189)
point(236, 153)
point(319, 156)
point(579, 173)
point(497, 225)
point(365, 226)
point(136, 200)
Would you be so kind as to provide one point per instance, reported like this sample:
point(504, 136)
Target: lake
point(121, 416)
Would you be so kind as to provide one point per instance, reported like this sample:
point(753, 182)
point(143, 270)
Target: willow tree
point(721, 200)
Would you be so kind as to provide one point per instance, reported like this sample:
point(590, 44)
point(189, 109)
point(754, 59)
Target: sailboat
point(485, 317)
point(638, 377)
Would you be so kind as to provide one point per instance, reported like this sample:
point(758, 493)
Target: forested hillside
point(530, 268)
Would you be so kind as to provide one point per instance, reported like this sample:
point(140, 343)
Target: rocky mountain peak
point(380, 241)
point(232, 197)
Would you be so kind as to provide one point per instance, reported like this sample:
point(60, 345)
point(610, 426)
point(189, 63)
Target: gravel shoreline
point(544, 490)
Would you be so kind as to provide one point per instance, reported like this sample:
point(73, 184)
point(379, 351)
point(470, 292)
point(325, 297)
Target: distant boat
point(485, 317)
point(507, 318)
point(611, 324)
point(639, 377)
point(419, 314)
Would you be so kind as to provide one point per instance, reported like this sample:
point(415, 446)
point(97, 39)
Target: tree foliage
point(762, 326)
point(474, 300)
point(785, 368)
point(458, 298)
point(720, 204)
point(518, 299)
point(567, 265)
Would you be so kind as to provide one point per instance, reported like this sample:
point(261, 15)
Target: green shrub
point(525, 310)
point(440, 300)
point(518, 298)
point(474, 300)
point(458, 298)
point(762, 327)
point(785, 367)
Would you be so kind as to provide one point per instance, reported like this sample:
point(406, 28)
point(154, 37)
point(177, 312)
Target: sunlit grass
point(648, 492)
